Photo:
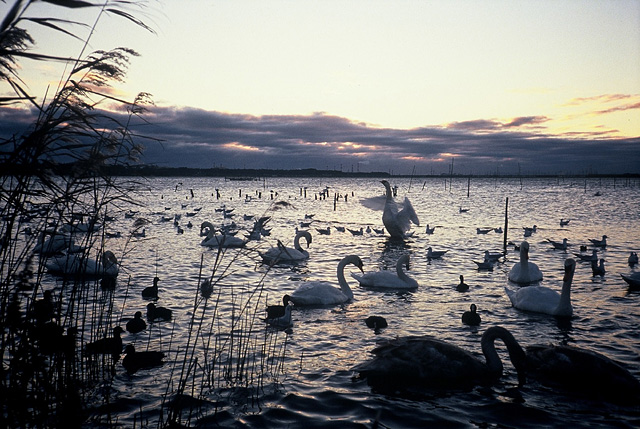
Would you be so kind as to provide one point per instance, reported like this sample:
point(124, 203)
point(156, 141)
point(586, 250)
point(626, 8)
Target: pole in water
point(468, 185)
point(506, 224)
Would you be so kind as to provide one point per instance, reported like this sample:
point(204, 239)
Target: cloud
point(603, 98)
point(198, 138)
point(631, 106)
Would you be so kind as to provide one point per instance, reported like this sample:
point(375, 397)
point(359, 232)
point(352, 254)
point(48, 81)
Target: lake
point(231, 370)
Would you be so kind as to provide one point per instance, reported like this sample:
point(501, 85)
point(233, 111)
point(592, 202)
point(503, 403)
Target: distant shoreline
point(257, 174)
point(251, 174)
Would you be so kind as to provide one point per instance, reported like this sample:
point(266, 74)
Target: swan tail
point(511, 294)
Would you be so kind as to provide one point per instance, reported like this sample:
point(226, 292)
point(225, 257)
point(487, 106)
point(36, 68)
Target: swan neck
point(344, 286)
point(516, 353)
point(564, 305)
point(399, 269)
point(388, 191)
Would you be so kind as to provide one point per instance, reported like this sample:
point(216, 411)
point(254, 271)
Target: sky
point(492, 86)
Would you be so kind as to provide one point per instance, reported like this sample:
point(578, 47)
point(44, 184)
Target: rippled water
point(314, 387)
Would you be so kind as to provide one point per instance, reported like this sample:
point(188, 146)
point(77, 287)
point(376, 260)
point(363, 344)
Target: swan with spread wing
point(397, 218)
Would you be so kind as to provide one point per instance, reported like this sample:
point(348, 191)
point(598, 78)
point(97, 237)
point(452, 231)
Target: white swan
point(633, 280)
point(432, 363)
point(525, 272)
point(283, 254)
point(83, 265)
point(57, 243)
point(582, 371)
point(387, 279)
point(542, 299)
point(396, 219)
point(324, 293)
point(218, 240)
point(397, 222)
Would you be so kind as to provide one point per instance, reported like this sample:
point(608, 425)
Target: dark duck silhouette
point(137, 324)
point(471, 317)
point(376, 322)
point(133, 360)
point(43, 309)
point(151, 291)
point(275, 311)
point(462, 286)
point(427, 362)
point(107, 345)
point(158, 313)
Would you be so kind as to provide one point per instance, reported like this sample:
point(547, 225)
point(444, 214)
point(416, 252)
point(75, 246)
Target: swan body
point(389, 280)
point(542, 299)
point(397, 221)
point(57, 243)
point(428, 362)
point(283, 254)
point(324, 293)
point(525, 272)
point(82, 265)
point(633, 280)
point(583, 371)
point(471, 317)
point(218, 240)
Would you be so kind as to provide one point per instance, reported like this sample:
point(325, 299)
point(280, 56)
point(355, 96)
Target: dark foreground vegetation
point(60, 341)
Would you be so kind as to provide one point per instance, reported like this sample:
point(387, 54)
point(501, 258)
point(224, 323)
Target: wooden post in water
point(506, 224)
point(468, 185)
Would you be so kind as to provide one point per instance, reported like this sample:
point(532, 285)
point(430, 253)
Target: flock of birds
point(423, 361)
